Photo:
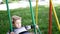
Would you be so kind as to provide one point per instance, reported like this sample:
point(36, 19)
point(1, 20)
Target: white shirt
point(22, 29)
point(1, 1)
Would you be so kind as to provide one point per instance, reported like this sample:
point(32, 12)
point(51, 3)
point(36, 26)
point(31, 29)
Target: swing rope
point(10, 21)
point(32, 14)
point(33, 20)
point(57, 21)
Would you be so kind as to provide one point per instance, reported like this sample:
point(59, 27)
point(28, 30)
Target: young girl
point(17, 28)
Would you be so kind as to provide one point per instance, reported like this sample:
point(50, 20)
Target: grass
point(27, 19)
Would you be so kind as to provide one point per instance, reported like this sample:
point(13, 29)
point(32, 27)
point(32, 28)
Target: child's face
point(17, 24)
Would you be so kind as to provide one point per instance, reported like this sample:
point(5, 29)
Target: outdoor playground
point(47, 18)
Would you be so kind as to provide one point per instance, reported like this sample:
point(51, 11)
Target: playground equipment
point(50, 18)
point(32, 13)
point(37, 15)
point(57, 21)
point(10, 20)
point(33, 20)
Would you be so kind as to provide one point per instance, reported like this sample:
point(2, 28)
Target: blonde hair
point(14, 18)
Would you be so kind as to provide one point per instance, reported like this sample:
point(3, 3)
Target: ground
point(24, 4)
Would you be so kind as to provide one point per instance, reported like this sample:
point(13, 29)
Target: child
point(17, 28)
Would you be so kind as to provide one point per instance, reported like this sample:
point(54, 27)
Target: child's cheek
point(16, 25)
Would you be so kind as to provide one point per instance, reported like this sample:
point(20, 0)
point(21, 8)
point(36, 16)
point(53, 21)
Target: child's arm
point(30, 27)
point(11, 32)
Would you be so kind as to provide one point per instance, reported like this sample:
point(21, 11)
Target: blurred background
point(21, 8)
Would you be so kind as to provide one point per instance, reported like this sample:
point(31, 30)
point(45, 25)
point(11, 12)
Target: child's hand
point(37, 26)
point(12, 33)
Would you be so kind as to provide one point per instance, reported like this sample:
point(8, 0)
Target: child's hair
point(14, 18)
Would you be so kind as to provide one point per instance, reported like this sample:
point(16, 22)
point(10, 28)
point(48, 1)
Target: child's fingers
point(12, 33)
point(37, 26)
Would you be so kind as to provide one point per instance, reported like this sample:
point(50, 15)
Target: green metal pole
point(32, 14)
point(39, 31)
point(10, 21)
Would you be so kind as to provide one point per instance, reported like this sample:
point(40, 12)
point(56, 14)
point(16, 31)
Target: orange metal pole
point(50, 18)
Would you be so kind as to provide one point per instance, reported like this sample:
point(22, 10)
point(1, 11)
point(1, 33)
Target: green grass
point(27, 19)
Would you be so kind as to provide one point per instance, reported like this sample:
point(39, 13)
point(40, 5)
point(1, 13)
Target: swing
point(50, 18)
point(57, 21)
point(33, 21)
point(32, 13)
